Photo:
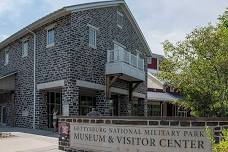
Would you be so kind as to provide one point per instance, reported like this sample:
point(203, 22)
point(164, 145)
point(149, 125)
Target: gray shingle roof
point(160, 96)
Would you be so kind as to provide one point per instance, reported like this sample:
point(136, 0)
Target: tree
point(198, 67)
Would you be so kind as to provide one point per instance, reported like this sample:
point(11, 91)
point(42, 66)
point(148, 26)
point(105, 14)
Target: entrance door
point(3, 115)
point(54, 103)
point(114, 98)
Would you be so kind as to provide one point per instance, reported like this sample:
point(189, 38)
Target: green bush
point(222, 146)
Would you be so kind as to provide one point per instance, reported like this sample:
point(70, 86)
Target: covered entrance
point(7, 105)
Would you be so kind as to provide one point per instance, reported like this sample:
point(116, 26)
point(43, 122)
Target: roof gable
point(80, 7)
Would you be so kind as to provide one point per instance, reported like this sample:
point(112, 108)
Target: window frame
point(26, 41)
point(48, 29)
point(119, 14)
point(94, 34)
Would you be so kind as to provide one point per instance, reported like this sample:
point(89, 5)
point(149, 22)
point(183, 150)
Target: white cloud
point(159, 19)
point(57, 4)
point(12, 8)
point(172, 19)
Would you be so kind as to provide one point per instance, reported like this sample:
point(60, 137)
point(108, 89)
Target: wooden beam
point(107, 90)
point(113, 80)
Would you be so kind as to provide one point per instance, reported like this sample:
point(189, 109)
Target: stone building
point(77, 58)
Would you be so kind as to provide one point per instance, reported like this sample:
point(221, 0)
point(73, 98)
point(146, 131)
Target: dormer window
point(120, 19)
point(6, 57)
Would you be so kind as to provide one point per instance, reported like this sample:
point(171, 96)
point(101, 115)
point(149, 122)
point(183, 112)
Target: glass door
point(54, 103)
point(4, 115)
point(86, 103)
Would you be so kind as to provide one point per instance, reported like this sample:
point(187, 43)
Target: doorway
point(3, 114)
point(116, 105)
point(54, 102)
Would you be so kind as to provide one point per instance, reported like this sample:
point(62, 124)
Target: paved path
point(29, 140)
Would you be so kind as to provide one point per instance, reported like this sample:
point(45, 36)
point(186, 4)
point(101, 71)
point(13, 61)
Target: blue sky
point(159, 19)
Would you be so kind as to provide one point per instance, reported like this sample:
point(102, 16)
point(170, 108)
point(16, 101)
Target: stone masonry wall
point(216, 124)
point(70, 59)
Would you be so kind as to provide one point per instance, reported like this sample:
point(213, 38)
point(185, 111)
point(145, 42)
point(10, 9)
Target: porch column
point(70, 98)
point(102, 104)
point(145, 108)
point(41, 121)
point(131, 88)
point(125, 107)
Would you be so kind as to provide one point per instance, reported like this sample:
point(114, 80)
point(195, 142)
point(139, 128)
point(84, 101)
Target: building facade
point(77, 58)
point(159, 94)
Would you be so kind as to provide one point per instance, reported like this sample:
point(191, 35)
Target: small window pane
point(25, 49)
point(92, 37)
point(120, 19)
point(50, 37)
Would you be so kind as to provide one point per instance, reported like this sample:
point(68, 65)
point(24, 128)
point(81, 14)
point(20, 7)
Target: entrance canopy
point(160, 96)
point(7, 83)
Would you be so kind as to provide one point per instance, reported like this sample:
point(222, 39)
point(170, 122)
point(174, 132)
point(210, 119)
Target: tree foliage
point(222, 146)
point(198, 67)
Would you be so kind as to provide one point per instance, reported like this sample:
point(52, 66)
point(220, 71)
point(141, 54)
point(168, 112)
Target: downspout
point(34, 79)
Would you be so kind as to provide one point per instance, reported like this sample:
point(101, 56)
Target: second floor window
point(120, 19)
point(6, 57)
point(50, 37)
point(25, 49)
point(92, 37)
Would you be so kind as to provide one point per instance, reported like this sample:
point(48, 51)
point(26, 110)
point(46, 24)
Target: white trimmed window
point(25, 48)
point(50, 37)
point(6, 57)
point(92, 36)
point(120, 19)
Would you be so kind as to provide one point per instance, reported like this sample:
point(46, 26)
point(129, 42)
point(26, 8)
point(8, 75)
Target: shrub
point(222, 146)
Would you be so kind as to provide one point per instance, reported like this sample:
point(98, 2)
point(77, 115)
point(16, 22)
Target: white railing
point(127, 57)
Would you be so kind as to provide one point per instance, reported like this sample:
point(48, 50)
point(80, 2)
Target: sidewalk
point(29, 140)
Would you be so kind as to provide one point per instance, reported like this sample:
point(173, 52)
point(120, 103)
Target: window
point(120, 19)
point(86, 103)
point(25, 49)
point(154, 110)
point(50, 37)
point(6, 56)
point(54, 102)
point(92, 37)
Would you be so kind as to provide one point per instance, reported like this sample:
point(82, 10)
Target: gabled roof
point(81, 7)
point(150, 75)
point(162, 96)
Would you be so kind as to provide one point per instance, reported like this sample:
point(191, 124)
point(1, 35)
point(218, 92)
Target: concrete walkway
point(29, 140)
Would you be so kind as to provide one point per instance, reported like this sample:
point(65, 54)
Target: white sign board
point(128, 138)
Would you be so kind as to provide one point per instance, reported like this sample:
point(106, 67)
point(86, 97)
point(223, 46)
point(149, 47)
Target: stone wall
point(70, 59)
point(217, 125)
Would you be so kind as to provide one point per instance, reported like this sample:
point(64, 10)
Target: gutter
point(34, 78)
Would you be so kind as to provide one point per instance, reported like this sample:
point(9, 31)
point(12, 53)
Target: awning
point(7, 82)
point(161, 96)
